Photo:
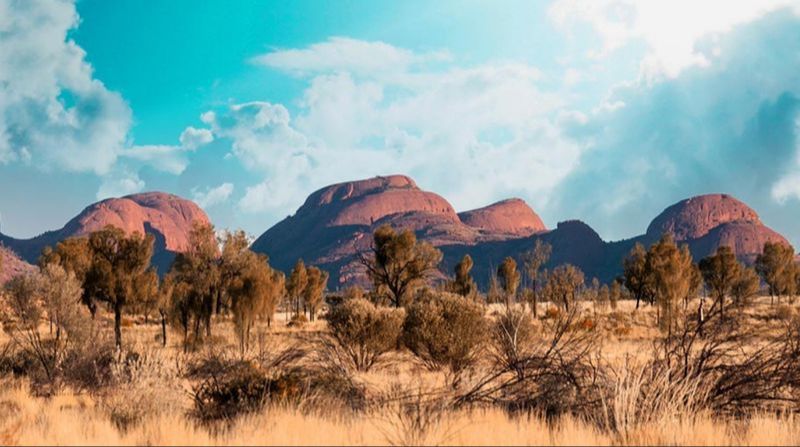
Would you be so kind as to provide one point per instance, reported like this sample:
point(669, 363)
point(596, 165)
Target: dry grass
point(69, 418)
point(75, 420)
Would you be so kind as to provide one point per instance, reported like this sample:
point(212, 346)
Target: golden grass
point(71, 419)
point(75, 420)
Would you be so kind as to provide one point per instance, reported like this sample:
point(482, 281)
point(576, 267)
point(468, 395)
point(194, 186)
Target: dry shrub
point(557, 374)
point(445, 330)
point(784, 312)
point(142, 385)
point(512, 337)
point(363, 332)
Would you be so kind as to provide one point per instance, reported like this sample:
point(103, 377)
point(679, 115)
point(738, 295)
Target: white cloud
point(53, 112)
point(118, 183)
point(212, 196)
point(346, 54)
point(192, 138)
point(169, 159)
point(670, 29)
point(473, 134)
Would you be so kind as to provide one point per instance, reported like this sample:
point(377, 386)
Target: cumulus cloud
point(346, 54)
point(669, 29)
point(472, 133)
point(53, 113)
point(212, 196)
point(724, 126)
point(118, 183)
point(192, 138)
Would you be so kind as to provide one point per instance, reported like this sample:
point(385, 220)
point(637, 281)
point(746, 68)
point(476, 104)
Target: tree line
point(220, 275)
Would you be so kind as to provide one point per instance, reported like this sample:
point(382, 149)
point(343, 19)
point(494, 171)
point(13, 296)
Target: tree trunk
point(118, 325)
point(163, 330)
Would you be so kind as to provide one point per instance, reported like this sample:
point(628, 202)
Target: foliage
point(509, 276)
point(364, 331)
point(534, 260)
point(564, 284)
point(673, 277)
point(445, 330)
point(314, 290)
point(463, 284)
point(398, 264)
point(776, 266)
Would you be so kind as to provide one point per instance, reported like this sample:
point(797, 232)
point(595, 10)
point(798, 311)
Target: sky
point(606, 111)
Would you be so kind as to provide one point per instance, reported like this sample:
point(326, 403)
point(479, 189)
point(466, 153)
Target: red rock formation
point(695, 217)
point(168, 217)
point(11, 265)
point(336, 223)
point(709, 221)
point(511, 216)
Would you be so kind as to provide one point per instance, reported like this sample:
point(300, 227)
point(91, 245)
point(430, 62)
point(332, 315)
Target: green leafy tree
point(398, 264)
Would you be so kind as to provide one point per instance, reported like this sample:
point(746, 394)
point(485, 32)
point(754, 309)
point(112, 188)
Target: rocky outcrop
point(695, 217)
point(11, 265)
point(512, 216)
point(336, 223)
point(167, 217)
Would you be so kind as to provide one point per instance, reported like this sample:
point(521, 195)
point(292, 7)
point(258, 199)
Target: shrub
point(512, 335)
point(363, 331)
point(445, 330)
point(298, 320)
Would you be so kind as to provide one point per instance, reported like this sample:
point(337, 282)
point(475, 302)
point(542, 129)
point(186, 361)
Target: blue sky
point(606, 110)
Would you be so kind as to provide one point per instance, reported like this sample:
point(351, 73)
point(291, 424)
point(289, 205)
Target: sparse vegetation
point(417, 365)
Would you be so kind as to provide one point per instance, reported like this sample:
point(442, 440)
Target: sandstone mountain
point(167, 217)
point(336, 222)
point(11, 265)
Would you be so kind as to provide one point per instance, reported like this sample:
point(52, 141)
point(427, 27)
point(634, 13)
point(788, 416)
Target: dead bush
point(363, 332)
point(556, 373)
point(512, 337)
point(445, 330)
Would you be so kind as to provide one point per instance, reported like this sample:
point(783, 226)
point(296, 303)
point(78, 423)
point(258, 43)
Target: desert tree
point(196, 280)
point(118, 263)
point(564, 284)
point(534, 260)
point(720, 272)
point(233, 259)
point(745, 286)
point(775, 265)
point(463, 284)
point(73, 255)
point(398, 264)
point(52, 294)
point(296, 285)
point(509, 277)
point(637, 278)
point(252, 292)
point(315, 290)
point(672, 273)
